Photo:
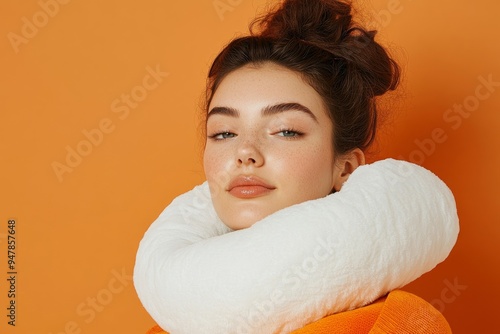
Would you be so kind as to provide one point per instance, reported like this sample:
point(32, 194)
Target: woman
point(290, 111)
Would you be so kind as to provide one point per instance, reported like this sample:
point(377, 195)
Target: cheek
point(308, 158)
point(208, 162)
point(214, 164)
point(308, 169)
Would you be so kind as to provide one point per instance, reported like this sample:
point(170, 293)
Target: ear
point(346, 165)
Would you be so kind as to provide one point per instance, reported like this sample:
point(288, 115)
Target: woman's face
point(269, 144)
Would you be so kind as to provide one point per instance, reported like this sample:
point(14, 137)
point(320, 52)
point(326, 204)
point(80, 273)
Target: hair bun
point(313, 21)
point(364, 55)
point(328, 25)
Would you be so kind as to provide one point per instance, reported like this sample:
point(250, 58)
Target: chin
point(241, 214)
point(242, 220)
point(239, 224)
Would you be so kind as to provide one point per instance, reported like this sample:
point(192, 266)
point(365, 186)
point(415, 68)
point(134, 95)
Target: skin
point(290, 150)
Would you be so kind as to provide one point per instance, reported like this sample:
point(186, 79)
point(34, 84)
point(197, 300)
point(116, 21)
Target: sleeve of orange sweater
point(404, 312)
point(398, 312)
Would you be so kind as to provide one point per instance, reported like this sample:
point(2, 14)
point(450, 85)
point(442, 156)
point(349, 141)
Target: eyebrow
point(266, 111)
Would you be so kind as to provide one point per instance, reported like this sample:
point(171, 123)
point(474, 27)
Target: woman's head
point(322, 73)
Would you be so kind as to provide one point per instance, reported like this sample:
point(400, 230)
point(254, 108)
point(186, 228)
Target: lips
point(249, 186)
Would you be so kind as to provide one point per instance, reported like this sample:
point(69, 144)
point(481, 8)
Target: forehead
point(255, 86)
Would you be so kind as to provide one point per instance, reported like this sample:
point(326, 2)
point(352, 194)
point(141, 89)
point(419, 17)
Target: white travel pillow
point(391, 222)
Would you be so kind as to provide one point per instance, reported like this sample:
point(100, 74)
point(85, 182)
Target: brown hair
point(341, 61)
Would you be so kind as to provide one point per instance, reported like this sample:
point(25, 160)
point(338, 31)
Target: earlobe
point(349, 162)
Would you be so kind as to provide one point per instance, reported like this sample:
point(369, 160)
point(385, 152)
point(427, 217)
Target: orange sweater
point(398, 312)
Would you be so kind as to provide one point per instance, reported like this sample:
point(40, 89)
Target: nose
point(249, 154)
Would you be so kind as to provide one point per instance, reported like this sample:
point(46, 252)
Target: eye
point(290, 133)
point(222, 135)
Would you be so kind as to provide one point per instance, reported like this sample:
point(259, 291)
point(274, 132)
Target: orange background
point(77, 234)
